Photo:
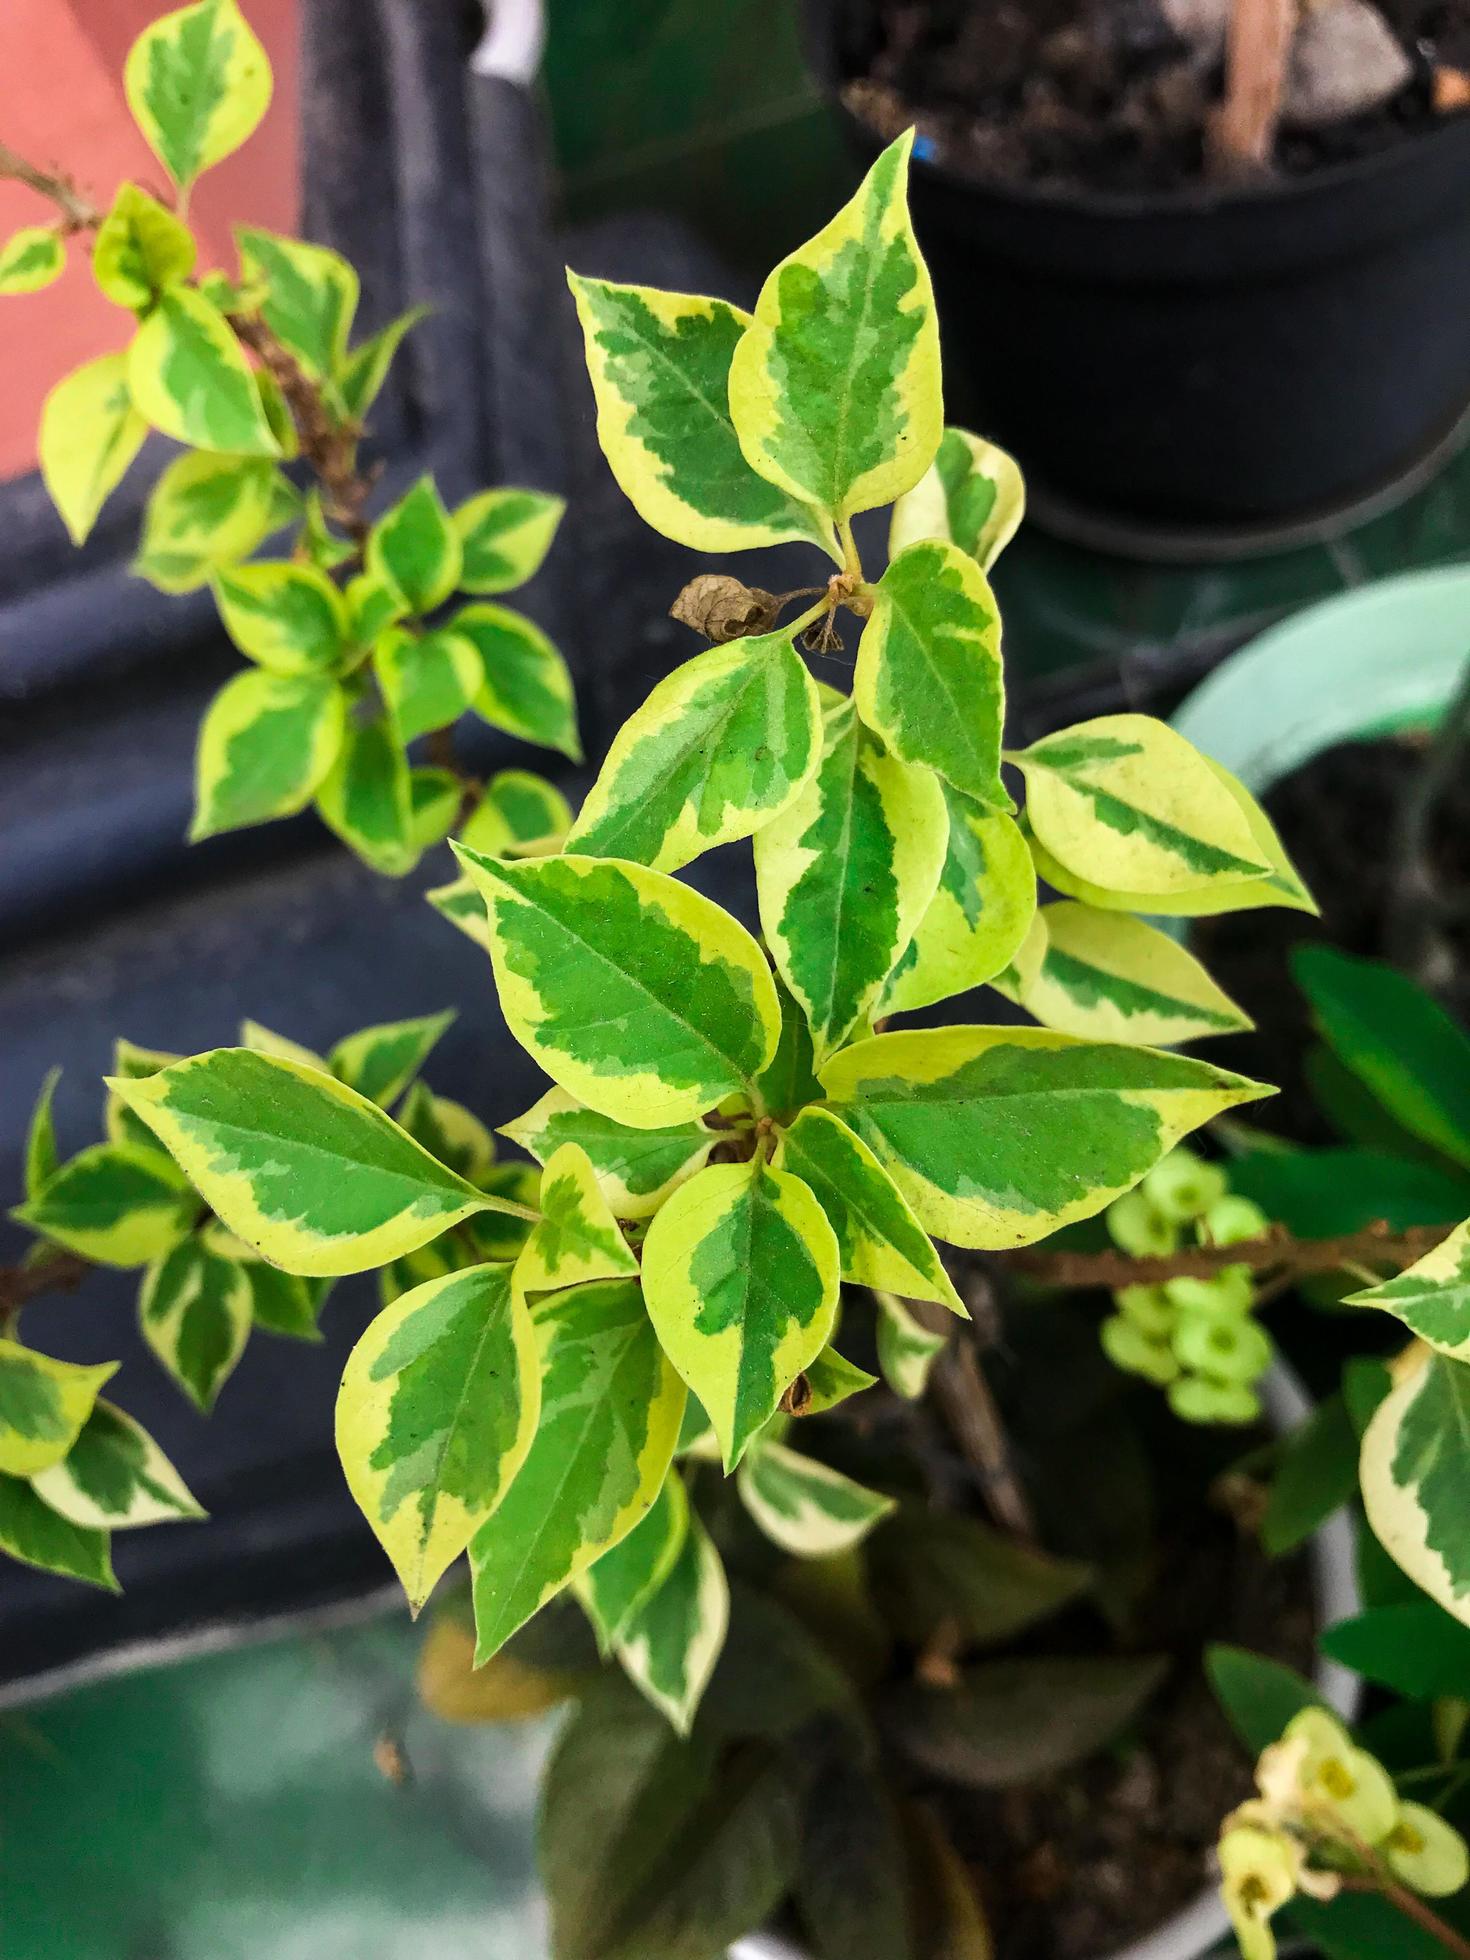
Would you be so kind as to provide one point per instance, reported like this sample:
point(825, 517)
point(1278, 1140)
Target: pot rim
point(1450, 135)
point(1194, 1929)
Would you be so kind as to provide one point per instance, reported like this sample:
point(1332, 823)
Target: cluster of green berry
point(1196, 1338)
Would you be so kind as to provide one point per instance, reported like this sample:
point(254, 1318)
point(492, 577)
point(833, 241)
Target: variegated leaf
point(1111, 977)
point(428, 680)
point(1126, 803)
point(928, 678)
point(576, 1238)
point(830, 1380)
point(435, 798)
point(1431, 1297)
point(288, 617)
point(999, 1136)
point(610, 1412)
point(31, 258)
point(90, 433)
point(614, 1587)
point(36, 1535)
point(660, 368)
point(641, 997)
point(121, 1124)
point(520, 815)
point(636, 1170)
point(362, 374)
point(117, 1204)
point(671, 1644)
point(448, 1131)
point(721, 746)
point(115, 1477)
point(1415, 1473)
point(805, 1508)
point(205, 512)
point(266, 744)
point(526, 689)
point(367, 799)
point(740, 1272)
point(972, 495)
point(285, 1304)
point(140, 249)
point(265, 1041)
point(41, 1160)
point(788, 1082)
point(504, 535)
point(979, 915)
point(310, 296)
point(846, 873)
point(461, 903)
point(44, 1404)
point(907, 1350)
point(380, 1062)
point(436, 1414)
point(298, 1165)
point(834, 389)
point(879, 1240)
point(414, 549)
point(195, 1310)
point(198, 83)
point(374, 605)
point(189, 378)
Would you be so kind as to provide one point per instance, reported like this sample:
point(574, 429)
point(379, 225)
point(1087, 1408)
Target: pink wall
point(61, 103)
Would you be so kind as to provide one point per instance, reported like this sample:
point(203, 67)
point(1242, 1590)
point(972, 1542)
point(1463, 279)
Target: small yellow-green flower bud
point(1184, 1186)
point(1227, 1348)
point(1129, 1348)
point(1338, 1781)
point(1258, 1875)
point(1232, 1219)
point(1149, 1308)
point(1424, 1851)
point(1227, 1292)
point(1195, 1398)
point(1135, 1226)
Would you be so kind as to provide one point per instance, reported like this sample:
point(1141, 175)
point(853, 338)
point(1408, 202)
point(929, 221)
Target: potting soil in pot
point(1115, 95)
point(1084, 1828)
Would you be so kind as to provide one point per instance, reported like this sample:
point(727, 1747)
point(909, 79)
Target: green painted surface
point(230, 1808)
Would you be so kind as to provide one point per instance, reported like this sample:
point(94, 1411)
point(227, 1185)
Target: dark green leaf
point(1011, 1721)
point(1415, 1649)
point(1259, 1696)
point(927, 1568)
point(1316, 1474)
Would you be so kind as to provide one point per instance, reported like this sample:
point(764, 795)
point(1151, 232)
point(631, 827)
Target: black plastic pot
point(1202, 363)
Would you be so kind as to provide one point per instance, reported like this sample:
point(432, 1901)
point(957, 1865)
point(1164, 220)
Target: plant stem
point(78, 212)
point(1275, 1251)
point(1409, 1903)
point(1243, 133)
point(972, 1416)
point(58, 1272)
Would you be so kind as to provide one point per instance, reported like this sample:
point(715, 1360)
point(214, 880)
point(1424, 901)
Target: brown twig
point(328, 446)
point(1409, 1903)
point(78, 213)
point(971, 1413)
point(56, 1272)
point(1243, 133)
point(1274, 1252)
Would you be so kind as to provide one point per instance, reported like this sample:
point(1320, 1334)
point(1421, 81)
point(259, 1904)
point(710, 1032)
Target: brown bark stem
point(1243, 134)
point(965, 1399)
point(1411, 1906)
point(58, 1272)
point(78, 213)
point(1275, 1252)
